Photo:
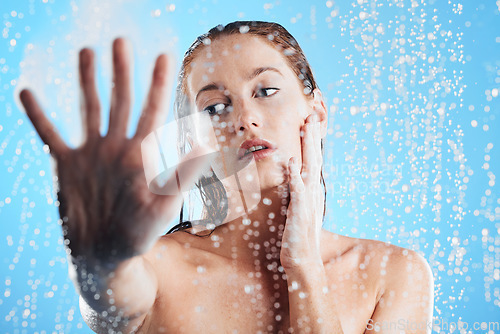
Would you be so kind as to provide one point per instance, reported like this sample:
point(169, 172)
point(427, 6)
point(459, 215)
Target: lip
point(257, 154)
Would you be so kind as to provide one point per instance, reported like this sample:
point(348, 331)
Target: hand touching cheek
point(301, 237)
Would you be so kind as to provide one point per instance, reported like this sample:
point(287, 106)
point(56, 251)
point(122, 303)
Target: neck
point(255, 238)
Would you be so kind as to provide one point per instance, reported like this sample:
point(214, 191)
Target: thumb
point(189, 169)
point(170, 195)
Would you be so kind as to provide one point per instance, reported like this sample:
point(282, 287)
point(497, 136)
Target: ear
point(320, 109)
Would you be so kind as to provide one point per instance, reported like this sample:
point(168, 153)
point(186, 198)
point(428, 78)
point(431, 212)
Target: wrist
point(126, 288)
point(307, 285)
point(307, 273)
point(303, 265)
point(91, 273)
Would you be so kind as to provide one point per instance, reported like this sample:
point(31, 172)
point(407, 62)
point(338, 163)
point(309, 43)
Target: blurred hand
point(107, 210)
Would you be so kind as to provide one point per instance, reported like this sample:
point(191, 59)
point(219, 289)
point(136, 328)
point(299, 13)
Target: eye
point(266, 92)
point(215, 109)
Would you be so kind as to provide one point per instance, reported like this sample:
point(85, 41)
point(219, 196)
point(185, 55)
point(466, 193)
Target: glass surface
point(411, 157)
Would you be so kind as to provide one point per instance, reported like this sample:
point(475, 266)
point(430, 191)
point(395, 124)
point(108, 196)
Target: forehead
point(232, 58)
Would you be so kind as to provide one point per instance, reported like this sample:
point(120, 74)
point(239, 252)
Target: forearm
point(127, 290)
point(312, 308)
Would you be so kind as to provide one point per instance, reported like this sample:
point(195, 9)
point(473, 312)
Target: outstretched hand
point(107, 210)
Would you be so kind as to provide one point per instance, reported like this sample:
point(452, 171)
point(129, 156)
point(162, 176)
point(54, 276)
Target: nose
point(246, 115)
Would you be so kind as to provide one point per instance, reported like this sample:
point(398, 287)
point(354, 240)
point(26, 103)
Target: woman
point(273, 269)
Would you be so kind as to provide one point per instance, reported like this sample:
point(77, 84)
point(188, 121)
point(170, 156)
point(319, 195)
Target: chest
point(244, 303)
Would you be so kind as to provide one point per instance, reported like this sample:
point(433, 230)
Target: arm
point(118, 299)
point(406, 302)
point(110, 218)
point(312, 308)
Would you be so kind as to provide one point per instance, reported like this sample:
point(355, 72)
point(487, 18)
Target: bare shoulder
point(179, 252)
point(170, 260)
point(397, 265)
point(385, 264)
point(171, 251)
point(398, 281)
point(163, 252)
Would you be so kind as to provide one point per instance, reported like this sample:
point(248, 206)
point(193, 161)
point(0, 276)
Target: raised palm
point(108, 212)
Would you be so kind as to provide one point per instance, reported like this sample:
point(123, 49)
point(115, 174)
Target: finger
point(309, 165)
point(152, 114)
point(43, 126)
point(120, 95)
point(296, 183)
point(91, 114)
point(317, 144)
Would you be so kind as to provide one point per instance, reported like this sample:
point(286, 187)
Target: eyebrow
point(211, 86)
point(261, 70)
point(254, 74)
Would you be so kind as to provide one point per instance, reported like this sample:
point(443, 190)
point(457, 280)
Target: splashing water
point(411, 155)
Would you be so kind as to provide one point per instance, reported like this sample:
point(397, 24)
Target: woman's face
point(245, 86)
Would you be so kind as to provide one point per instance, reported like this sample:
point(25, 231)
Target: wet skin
point(241, 278)
point(217, 284)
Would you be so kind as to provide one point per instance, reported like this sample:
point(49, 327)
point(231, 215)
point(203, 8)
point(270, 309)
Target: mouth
point(258, 148)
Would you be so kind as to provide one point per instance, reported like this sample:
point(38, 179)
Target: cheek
point(288, 137)
point(292, 107)
point(290, 117)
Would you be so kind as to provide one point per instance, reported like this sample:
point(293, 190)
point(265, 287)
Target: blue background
point(411, 157)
